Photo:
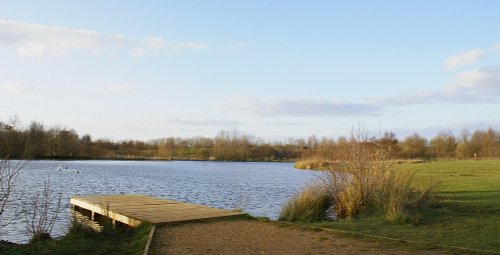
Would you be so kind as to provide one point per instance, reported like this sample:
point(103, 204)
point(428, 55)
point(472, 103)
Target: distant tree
point(104, 148)
point(463, 150)
point(443, 145)
point(12, 139)
point(63, 142)
point(231, 145)
point(86, 145)
point(36, 141)
point(414, 146)
point(328, 148)
point(485, 143)
point(312, 142)
point(389, 143)
point(201, 148)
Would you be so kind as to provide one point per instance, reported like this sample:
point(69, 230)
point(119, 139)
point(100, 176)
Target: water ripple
point(258, 188)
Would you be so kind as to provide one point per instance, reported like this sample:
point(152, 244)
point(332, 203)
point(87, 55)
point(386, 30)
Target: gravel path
point(255, 237)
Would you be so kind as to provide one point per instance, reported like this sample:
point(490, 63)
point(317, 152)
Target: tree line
point(36, 141)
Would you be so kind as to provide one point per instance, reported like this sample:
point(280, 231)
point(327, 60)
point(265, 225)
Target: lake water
point(259, 189)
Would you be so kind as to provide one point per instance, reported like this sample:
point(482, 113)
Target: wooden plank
point(105, 212)
point(131, 209)
point(159, 208)
point(185, 218)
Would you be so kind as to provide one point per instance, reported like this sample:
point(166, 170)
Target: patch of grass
point(140, 238)
point(466, 213)
point(82, 240)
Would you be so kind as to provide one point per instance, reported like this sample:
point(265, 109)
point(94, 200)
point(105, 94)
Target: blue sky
point(274, 69)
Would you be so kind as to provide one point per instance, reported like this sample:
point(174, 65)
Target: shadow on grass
point(475, 202)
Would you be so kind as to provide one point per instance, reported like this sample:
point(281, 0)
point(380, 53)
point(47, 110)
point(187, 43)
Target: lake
point(258, 188)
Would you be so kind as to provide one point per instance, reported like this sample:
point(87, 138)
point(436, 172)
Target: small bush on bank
point(362, 181)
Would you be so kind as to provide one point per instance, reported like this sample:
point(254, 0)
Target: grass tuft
point(310, 205)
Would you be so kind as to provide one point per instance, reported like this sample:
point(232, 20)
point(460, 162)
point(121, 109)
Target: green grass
point(81, 240)
point(466, 213)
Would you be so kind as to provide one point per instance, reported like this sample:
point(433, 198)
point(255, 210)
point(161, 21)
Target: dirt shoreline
point(243, 236)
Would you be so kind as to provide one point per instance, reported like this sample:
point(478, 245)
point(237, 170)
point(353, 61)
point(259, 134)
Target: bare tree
point(8, 174)
point(40, 216)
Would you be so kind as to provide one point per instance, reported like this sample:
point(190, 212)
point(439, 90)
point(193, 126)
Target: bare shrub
point(365, 180)
point(40, 216)
point(361, 178)
point(8, 174)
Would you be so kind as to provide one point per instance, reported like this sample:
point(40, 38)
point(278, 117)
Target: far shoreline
point(148, 159)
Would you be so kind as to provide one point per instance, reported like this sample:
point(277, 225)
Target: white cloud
point(464, 58)
point(32, 50)
point(477, 86)
point(38, 40)
point(17, 89)
point(305, 108)
point(480, 81)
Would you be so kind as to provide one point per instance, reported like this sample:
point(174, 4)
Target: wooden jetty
point(132, 210)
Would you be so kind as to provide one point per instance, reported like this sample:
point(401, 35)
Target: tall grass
point(362, 181)
point(314, 163)
point(310, 205)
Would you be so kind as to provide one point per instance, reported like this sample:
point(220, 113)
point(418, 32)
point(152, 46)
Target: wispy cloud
point(17, 89)
point(477, 86)
point(431, 96)
point(485, 81)
point(199, 122)
point(464, 58)
point(34, 40)
point(305, 108)
point(469, 57)
point(455, 128)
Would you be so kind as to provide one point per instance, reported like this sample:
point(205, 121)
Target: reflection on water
point(258, 188)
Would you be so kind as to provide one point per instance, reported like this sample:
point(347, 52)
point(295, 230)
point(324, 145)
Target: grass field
point(466, 214)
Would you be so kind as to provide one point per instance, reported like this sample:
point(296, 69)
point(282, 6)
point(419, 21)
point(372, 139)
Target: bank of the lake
point(466, 212)
point(83, 240)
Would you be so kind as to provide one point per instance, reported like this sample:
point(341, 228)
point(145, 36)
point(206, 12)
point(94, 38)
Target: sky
point(274, 69)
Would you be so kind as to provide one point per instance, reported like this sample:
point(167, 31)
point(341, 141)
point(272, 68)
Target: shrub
point(362, 180)
point(366, 181)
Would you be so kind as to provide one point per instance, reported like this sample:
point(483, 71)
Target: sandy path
point(255, 237)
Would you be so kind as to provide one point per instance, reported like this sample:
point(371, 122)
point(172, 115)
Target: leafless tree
point(8, 174)
point(40, 216)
